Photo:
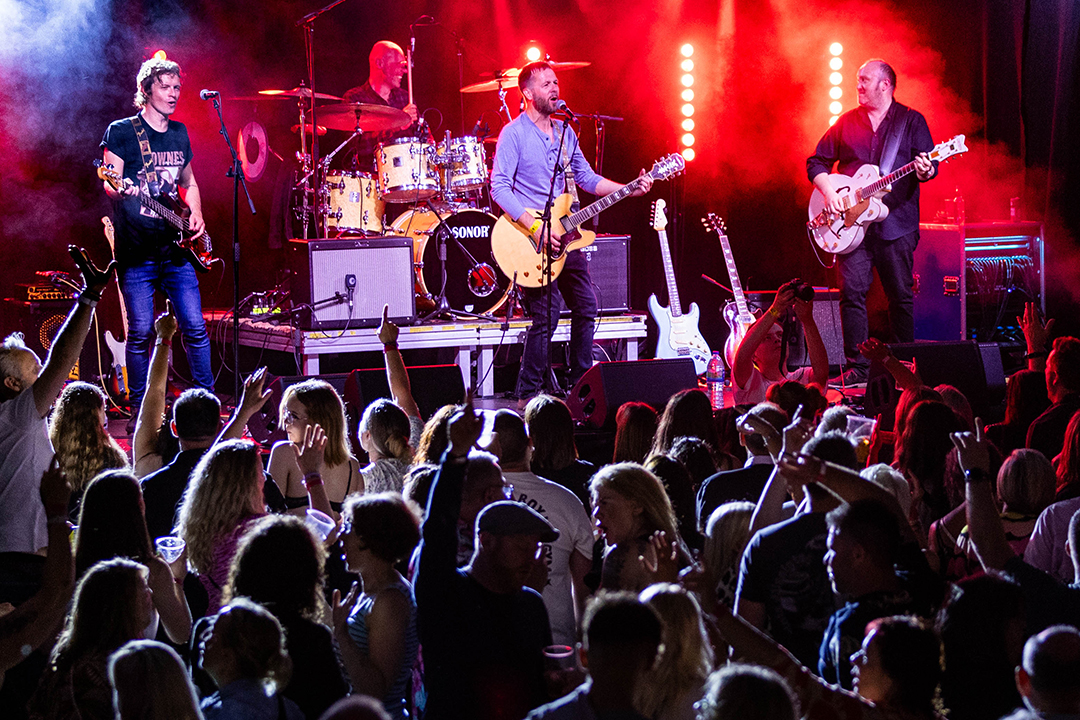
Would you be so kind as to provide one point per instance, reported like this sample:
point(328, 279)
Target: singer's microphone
point(207, 94)
point(561, 106)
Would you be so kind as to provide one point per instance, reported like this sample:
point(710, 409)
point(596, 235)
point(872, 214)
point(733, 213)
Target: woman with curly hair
point(639, 528)
point(150, 682)
point(243, 650)
point(677, 679)
point(923, 448)
point(385, 430)
point(303, 405)
point(279, 564)
point(222, 501)
point(376, 629)
point(78, 433)
point(112, 606)
point(112, 524)
point(434, 438)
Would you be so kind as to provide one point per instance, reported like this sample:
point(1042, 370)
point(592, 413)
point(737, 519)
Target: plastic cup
point(169, 547)
point(859, 427)
point(320, 522)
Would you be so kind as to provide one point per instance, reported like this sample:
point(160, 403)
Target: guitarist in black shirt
point(153, 152)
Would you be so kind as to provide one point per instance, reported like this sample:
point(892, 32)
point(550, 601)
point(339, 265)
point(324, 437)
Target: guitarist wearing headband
point(154, 153)
point(525, 159)
point(881, 132)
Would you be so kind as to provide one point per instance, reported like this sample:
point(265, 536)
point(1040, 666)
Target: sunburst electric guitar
point(736, 312)
point(843, 233)
point(173, 210)
point(679, 334)
point(521, 257)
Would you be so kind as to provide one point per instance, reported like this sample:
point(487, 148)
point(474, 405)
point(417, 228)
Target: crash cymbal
point(366, 116)
point(569, 64)
point(504, 79)
point(307, 129)
point(296, 92)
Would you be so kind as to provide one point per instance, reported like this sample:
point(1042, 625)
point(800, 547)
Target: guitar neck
point(603, 203)
point(882, 183)
point(733, 274)
point(675, 306)
point(158, 207)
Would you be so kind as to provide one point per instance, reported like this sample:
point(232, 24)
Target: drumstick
point(410, 74)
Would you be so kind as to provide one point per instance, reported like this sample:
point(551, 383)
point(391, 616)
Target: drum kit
point(444, 186)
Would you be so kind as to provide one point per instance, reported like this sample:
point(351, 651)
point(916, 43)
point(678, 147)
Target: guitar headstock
point(106, 173)
point(945, 150)
point(714, 223)
point(668, 167)
point(659, 219)
point(110, 232)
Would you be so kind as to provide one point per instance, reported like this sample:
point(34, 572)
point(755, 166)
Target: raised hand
point(1036, 333)
point(750, 424)
point(388, 331)
point(660, 557)
point(797, 433)
point(55, 489)
point(311, 451)
point(465, 428)
point(973, 449)
point(93, 279)
point(254, 396)
point(341, 608)
point(875, 350)
point(166, 325)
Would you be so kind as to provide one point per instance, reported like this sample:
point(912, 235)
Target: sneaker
point(855, 375)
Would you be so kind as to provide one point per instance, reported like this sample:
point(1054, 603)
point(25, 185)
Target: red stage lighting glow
point(688, 110)
point(687, 95)
point(836, 63)
point(687, 65)
point(836, 78)
point(160, 55)
point(533, 53)
point(836, 48)
point(688, 124)
point(687, 50)
point(688, 139)
point(688, 154)
point(836, 92)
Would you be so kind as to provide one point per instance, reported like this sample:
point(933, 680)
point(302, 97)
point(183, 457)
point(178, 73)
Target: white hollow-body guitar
point(679, 335)
point(843, 233)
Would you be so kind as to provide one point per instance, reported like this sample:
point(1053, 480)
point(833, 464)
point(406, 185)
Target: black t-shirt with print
point(140, 234)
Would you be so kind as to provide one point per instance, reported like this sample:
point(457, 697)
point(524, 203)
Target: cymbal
point(366, 116)
point(296, 92)
point(504, 79)
point(307, 129)
point(569, 64)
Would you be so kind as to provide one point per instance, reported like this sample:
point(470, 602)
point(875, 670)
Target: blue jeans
point(574, 289)
point(181, 285)
point(894, 261)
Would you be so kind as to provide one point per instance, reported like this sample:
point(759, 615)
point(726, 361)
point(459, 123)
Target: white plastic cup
point(170, 548)
point(320, 522)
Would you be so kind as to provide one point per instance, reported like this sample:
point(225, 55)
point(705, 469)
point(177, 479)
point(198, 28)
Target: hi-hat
point(296, 92)
point(365, 116)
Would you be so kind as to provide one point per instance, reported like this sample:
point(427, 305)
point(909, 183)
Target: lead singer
point(525, 160)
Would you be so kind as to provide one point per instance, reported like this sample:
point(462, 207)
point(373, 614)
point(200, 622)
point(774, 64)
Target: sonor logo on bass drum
point(474, 231)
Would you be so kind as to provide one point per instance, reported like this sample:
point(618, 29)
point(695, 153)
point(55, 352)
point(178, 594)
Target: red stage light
point(688, 154)
point(836, 63)
point(836, 48)
point(687, 50)
point(687, 124)
point(688, 139)
point(160, 55)
point(687, 95)
point(533, 53)
point(836, 92)
point(687, 109)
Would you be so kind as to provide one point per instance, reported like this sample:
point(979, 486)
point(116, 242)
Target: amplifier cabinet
point(344, 283)
point(609, 269)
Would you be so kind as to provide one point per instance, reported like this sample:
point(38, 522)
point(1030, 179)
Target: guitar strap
point(892, 145)
point(571, 186)
point(149, 168)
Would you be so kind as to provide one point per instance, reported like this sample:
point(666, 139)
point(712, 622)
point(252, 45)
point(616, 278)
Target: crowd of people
point(753, 562)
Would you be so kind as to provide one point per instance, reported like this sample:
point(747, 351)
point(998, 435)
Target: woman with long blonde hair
point(223, 500)
point(150, 682)
point(78, 433)
point(303, 405)
point(677, 679)
point(634, 515)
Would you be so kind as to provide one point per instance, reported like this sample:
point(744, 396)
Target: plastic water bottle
point(714, 379)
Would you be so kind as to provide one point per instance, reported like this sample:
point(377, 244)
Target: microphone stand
point(236, 172)
point(442, 305)
point(545, 247)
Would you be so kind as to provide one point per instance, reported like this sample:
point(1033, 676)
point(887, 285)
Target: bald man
point(387, 67)
point(859, 137)
point(1049, 676)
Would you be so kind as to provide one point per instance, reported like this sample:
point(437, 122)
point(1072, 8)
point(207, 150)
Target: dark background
point(1003, 73)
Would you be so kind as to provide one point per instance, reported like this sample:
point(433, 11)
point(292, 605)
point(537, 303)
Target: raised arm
point(984, 522)
point(152, 408)
point(744, 355)
point(815, 346)
point(1036, 335)
point(396, 374)
point(252, 400)
point(310, 456)
point(873, 349)
point(68, 342)
point(769, 508)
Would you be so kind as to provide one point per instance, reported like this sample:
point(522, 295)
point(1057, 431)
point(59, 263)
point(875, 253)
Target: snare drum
point(353, 204)
point(406, 170)
point(467, 164)
point(474, 282)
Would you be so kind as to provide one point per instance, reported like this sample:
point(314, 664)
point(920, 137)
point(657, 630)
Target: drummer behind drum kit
point(445, 184)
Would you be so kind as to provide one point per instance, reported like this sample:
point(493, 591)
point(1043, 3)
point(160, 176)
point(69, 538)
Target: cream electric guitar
point(118, 349)
point(679, 334)
point(736, 313)
point(843, 233)
point(520, 256)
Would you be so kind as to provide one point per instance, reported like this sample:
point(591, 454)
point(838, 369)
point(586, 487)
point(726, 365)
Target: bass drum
point(474, 283)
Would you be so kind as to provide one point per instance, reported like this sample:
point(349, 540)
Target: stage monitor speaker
point(609, 268)
point(605, 386)
point(432, 387)
point(826, 317)
point(973, 368)
point(346, 282)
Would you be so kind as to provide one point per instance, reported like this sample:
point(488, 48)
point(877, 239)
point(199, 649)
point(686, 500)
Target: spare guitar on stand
point(679, 334)
point(736, 313)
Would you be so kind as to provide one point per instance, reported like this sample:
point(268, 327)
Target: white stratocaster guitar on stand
point(736, 313)
point(679, 334)
point(843, 233)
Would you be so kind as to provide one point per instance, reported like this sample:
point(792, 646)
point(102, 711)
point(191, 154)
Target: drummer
point(387, 67)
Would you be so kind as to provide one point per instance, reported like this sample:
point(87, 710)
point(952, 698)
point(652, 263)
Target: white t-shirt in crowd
point(25, 454)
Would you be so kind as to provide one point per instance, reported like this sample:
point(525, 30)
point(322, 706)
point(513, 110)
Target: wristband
point(312, 479)
point(534, 227)
point(1036, 355)
point(774, 312)
point(167, 342)
point(389, 346)
point(975, 475)
point(88, 299)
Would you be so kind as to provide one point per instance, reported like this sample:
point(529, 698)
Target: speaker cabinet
point(40, 320)
point(607, 385)
point(609, 269)
point(432, 387)
point(344, 283)
point(826, 317)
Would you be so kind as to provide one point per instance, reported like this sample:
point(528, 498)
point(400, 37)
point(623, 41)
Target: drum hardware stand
point(323, 203)
point(600, 137)
point(442, 306)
